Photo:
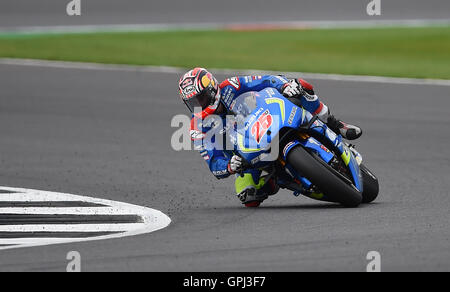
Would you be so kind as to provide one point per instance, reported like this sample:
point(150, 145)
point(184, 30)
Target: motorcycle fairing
point(347, 155)
point(284, 114)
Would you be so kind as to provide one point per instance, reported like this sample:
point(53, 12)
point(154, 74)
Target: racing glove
point(235, 164)
point(292, 89)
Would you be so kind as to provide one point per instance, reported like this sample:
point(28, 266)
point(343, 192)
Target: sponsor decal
point(292, 115)
point(234, 81)
point(314, 141)
point(310, 97)
point(280, 78)
point(189, 90)
point(331, 135)
point(271, 92)
point(256, 160)
point(206, 81)
point(221, 172)
point(287, 147)
point(325, 149)
point(357, 155)
point(264, 157)
point(253, 118)
point(187, 82)
point(228, 96)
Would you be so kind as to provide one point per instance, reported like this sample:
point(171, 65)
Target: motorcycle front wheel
point(333, 185)
point(370, 183)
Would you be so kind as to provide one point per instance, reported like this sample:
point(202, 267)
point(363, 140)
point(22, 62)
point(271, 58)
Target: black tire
point(371, 186)
point(324, 177)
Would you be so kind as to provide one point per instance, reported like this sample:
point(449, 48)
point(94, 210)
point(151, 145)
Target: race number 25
point(261, 126)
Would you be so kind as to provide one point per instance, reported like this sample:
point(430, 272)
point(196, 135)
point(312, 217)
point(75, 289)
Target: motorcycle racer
point(199, 89)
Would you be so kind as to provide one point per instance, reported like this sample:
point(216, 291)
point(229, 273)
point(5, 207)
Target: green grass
point(397, 52)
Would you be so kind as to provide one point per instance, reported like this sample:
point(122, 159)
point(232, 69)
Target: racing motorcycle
point(279, 137)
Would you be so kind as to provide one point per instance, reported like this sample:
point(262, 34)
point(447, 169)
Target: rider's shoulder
point(234, 82)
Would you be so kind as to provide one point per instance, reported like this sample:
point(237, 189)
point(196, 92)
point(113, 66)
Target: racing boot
point(252, 197)
point(348, 131)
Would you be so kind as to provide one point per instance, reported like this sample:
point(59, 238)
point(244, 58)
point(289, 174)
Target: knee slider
point(248, 193)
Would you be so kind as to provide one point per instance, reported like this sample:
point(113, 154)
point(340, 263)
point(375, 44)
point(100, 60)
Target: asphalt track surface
point(107, 134)
point(16, 13)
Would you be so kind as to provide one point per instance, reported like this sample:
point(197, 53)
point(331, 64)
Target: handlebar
point(245, 166)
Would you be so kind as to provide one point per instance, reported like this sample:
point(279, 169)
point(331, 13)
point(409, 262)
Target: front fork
point(351, 158)
point(315, 128)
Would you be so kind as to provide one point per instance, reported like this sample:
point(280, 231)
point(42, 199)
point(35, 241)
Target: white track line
point(45, 196)
point(71, 210)
point(71, 228)
point(215, 26)
point(33, 242)
point(231, 72)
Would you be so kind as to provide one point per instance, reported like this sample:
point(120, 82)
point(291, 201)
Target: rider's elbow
point(222, 174)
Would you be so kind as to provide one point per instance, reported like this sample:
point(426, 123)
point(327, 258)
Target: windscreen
point(244, 105)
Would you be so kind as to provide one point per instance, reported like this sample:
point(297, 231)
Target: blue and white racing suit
point(230, 89)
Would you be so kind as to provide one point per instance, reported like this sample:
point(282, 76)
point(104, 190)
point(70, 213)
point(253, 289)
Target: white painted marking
point(71, 228)
point(178, 71)
point(72, 210)
point(90, 66)
point(150, 220)
point(38, 197)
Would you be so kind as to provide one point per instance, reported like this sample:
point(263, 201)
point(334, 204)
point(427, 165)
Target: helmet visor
point(202, 101)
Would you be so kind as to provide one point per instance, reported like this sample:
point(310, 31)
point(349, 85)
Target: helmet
point(199, 89)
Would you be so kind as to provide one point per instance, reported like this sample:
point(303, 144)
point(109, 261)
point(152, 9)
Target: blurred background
point(409, 38)
point(53, 12)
